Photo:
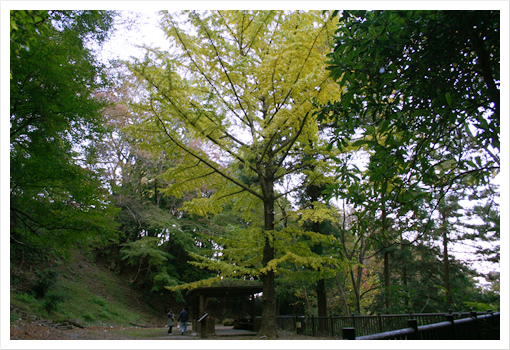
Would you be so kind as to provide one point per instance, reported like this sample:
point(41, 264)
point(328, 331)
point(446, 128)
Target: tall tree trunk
point(322, 305)
point(446, 266)
point(444, 211)
point(387, 280)
point(356, 287)
point(268, 327)
point(314, 192)
point(357, 278)
point(403, 248)
point(320, 289)
point(387, 303)
point(322, 302)
point(404, 265)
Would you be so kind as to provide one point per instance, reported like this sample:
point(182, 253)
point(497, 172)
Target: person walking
point(170, 321)
point(183, 318)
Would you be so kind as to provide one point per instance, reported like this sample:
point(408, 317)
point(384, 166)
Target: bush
point(46, 279)
point(53, 299)
point(228, 322)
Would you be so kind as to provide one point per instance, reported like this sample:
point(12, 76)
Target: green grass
point(26, 302)
point(94, 309)
point(88, 293)
point(88, 317)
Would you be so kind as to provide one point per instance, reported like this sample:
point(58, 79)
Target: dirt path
point(32, 330)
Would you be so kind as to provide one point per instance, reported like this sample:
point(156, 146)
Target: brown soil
point(34, 330)
point(26, 330)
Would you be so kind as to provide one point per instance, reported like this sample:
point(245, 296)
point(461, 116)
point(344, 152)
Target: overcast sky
point(134, 28)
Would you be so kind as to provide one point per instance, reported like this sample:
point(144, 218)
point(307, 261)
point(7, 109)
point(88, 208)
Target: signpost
point(203, 325)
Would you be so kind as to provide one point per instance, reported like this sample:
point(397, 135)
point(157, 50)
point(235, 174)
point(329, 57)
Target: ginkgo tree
point(237, 95)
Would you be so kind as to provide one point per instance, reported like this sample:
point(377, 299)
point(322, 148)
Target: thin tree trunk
point(342, 294)
point(308, 306)
point(404, 265)
point(359, 276)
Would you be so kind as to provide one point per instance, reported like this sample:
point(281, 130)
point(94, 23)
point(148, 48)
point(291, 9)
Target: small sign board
point(203, 317)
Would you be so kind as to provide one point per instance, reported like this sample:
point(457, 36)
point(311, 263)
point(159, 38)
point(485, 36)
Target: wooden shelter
point(227, 288)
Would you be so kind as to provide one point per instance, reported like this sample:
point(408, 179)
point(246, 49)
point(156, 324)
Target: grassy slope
point(89, 293)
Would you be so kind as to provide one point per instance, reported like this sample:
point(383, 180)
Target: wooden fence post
point(379, 318)
point(349, 333)
point(413, 323)
point(474, 315)
point(453, 335)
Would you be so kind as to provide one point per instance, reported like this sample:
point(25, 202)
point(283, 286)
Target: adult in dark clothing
point(183, 318)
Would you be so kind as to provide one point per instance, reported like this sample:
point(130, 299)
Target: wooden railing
point(484, 327)
point(368, 325)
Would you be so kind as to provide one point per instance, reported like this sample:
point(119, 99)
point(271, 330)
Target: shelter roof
point(228, 287)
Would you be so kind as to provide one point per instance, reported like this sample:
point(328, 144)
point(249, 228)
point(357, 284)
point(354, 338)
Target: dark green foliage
point(288, 300)
point(155, 235)
point(26, 27)
point(45, 280)
point(48, 289)
point(421, 99)
point(486, 211)
point(419, 84)
point(53, 299)
point(406, 74)
point(444, 64)
point(55, 199)
point(417, 282)
point(157, 239)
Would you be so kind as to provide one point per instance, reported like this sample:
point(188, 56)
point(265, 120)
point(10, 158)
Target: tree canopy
point(420, 83)
point(421, 98)
point(54, 118)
